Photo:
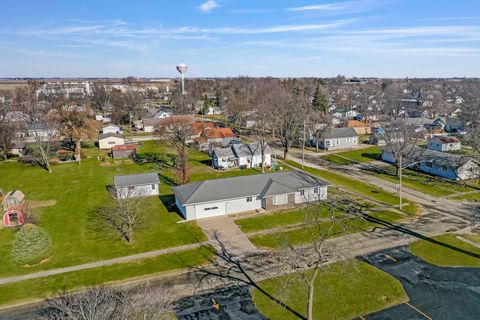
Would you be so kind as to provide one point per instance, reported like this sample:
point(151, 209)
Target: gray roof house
point(447, 165)
point(267, 191)
point(337, 138)
point(136, 185)
point(241, 155)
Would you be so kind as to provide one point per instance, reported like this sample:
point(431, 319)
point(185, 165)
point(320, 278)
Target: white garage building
point(269, 191)
point(136, 185)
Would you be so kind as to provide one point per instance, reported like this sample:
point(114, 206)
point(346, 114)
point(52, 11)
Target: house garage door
point(210, 210)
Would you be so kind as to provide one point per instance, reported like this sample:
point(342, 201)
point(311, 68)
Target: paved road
point(124, 259)
point(434, 292)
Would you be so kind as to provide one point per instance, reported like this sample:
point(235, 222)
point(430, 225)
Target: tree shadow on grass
point(374, 156)
point(403, 230)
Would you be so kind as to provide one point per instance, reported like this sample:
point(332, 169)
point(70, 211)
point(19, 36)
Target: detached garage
point(269, 191)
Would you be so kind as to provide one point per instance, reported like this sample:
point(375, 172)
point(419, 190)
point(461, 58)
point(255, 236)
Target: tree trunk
point(78, 150)
point(311, 290)
point(5, 157)
point(316, 145)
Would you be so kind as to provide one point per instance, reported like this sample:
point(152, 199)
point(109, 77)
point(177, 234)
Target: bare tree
point(101, 303)
point(101, 98)
point(178, 130)
point(332, 218)
point(123, 216)
point(133, 100)
point(75, 123)
point(39, 119)
point(7, 130)
point(290, 114)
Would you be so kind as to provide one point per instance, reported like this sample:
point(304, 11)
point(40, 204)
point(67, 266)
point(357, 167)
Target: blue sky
point(384, 38)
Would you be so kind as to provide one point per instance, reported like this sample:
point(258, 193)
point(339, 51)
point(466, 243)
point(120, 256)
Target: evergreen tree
point(31, 245)
point(319, 101)
point(206, 104)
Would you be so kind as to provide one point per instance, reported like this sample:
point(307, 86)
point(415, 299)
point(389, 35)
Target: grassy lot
point(365, 189)
point(440, 255)
point(342, 227)
point(44, 287)
point(428, 184)
point(342, 291)
point(80, 189)
point(333, 158)
point(360, 155)
point(468, 197)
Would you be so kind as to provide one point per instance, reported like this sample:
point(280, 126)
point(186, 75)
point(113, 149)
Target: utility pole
point(400, 167)
point(303, 145)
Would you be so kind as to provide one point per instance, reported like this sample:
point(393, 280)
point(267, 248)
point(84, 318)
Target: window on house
point(445, 168)
point(429, 164)
point(280, 200)
point(111, 142)
point(302, 192)
point(249, 199)
point(153, 187)
point(131, 188)
point(317, 190)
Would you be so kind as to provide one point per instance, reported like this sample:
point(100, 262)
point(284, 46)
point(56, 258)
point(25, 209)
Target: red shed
point(124, 151)
point(12, 218)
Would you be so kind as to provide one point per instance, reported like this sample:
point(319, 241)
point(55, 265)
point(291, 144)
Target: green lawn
point(342, 291)
point(468, 197)
point(365, 189)
point(333, 158)
point(270, 220)
point(301, 235)
point(80, 189)
point(361, 155)
point(44, 287)
point(448, 252)
point(428, 184)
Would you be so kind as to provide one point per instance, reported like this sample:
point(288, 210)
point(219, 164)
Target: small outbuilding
point(111, 128)
point(13, 199)
point(109, 140)
point(444, 144)
point(136, 185)
point(124, 151)
point(13, 218)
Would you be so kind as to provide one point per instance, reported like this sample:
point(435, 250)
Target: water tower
point(182, 68)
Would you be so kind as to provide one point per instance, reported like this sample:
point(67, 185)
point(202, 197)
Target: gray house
point(136, 185)
point(241, 155)
point(442, 164)
point(267, 191)
point(337, 138)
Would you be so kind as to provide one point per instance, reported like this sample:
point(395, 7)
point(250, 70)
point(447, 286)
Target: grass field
point(444, 252)
point(468, 197)
point(365, 189)
point(301, 235)
point(79, 190)
point(45, 287)
point(361, 155)
point(428, 184)
point(342, 291)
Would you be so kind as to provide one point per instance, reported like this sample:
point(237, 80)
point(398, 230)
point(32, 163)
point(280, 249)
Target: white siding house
point(109, 140)
point(269, 191)
point(445, 165)
point(111, 129)
point(241, 155)
point(136, 185)
point(337, 138)
point(444, 144)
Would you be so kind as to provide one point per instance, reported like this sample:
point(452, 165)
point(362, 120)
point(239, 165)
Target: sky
point(217, 38)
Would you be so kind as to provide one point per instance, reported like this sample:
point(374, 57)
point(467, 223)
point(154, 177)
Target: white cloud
point(208, 6)
point(346, 6)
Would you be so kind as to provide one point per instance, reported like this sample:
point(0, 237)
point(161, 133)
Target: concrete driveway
point(223, 230)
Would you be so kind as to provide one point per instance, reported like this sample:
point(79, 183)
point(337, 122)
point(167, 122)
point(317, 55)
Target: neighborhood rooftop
point(136, 179)
point(267, 184)
point(336, 133)
point(108, 135)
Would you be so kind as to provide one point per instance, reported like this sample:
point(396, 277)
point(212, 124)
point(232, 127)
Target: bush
point(31, 245)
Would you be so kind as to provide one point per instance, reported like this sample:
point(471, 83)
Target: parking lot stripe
point(419, 311)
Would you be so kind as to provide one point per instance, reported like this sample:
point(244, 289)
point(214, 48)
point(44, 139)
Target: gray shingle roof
point(265, 185)
point(108, 135)
point(336, 133)
point(241, 149)
point(136, 179)
point(256, 148)
point(224, 152)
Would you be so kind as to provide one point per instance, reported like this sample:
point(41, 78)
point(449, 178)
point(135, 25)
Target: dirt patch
point(105, 164)
point(41, 203)
point(37, 264)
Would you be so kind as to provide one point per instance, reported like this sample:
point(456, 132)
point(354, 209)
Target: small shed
point(109, 140)
point(124, 151)
point(136, 185)
point(13, 218)
point(13, 198)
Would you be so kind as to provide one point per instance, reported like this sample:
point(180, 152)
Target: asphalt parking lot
point(434, 292)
